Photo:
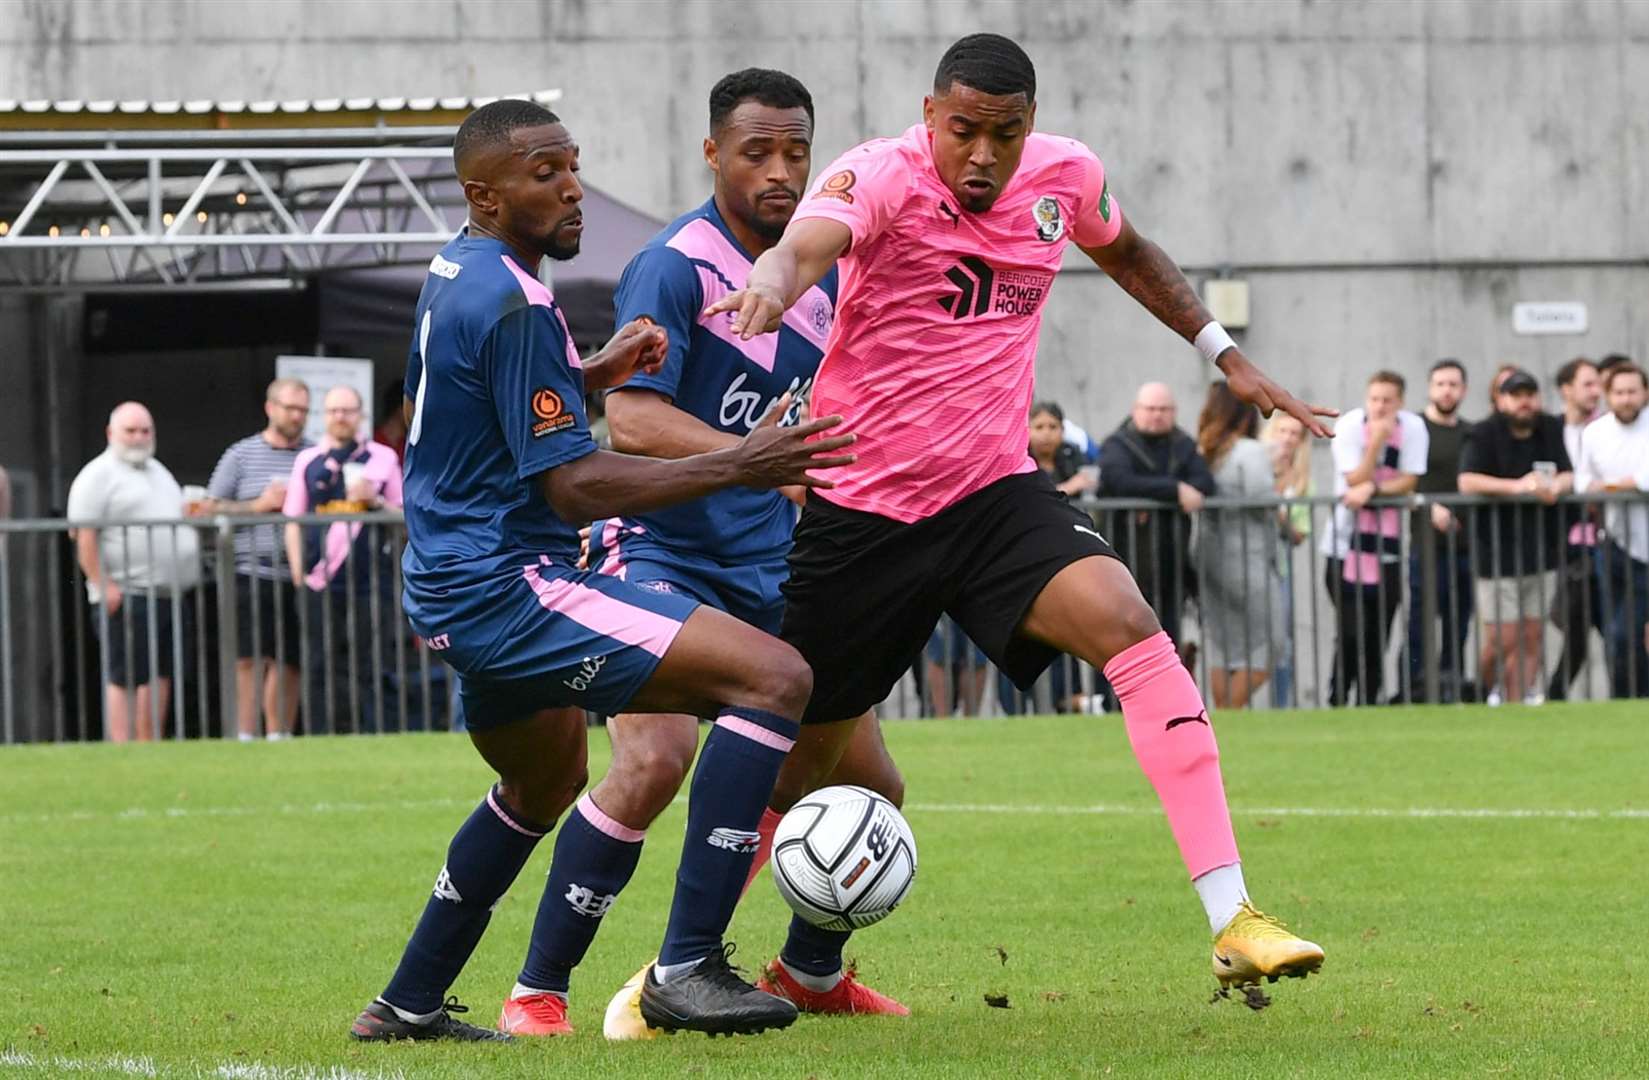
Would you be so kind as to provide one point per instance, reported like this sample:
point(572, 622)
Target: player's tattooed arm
point(605, 484)
point(782, 273)
point(1146, 273)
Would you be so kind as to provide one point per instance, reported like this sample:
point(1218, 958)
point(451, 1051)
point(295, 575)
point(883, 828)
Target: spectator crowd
point(1520, 563)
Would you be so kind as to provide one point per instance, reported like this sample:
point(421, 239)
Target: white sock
point(665, 972)
point(412, 1017)
point(819, 984)
point(522, 991)
point(1222, 892)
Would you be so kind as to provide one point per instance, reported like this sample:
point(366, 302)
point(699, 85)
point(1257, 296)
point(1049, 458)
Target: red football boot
point(535, 1014)
point(850, 997)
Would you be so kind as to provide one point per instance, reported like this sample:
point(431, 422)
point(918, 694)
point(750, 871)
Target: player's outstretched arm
point(782, 273)
point(606, 484)
point(1146, 273)
point(645, 421)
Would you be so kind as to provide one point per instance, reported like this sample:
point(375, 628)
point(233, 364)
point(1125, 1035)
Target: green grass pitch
point(1477, 878)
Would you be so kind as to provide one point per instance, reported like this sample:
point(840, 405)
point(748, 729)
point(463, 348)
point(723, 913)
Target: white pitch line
point(321, 809)
point(126, 1065)
point(1490, 813)
point(142, 813)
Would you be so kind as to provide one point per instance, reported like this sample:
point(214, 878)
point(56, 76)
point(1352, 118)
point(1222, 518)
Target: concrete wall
point(1390, 175)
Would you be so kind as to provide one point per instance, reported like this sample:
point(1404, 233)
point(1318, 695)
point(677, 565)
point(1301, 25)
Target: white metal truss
point(105, 217)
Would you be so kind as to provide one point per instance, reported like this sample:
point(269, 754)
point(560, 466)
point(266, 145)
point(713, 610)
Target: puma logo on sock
point(1200, 718)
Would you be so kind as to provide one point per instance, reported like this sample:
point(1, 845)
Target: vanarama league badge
point(1049, 225)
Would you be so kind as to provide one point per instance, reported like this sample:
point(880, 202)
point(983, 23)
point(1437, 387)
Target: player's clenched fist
point(639, 346)
point(774, 456)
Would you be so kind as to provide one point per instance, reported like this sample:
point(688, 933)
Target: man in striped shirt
point(250, 478)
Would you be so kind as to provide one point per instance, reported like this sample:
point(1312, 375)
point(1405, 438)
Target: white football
point(843, 858)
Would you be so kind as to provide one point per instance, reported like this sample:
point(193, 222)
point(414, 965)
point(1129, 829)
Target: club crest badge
point(1049, 225)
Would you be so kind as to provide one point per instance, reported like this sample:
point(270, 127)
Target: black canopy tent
point(361, 304)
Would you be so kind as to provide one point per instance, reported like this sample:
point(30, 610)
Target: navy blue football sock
point(485, 856)
point(731, 786)
point(813, 950)
point(594, 858)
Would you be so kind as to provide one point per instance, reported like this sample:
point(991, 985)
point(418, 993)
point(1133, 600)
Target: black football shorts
point(865, 591)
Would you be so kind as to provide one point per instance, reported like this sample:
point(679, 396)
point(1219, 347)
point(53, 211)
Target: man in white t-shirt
point(1614, 456)
point(1379, 451)
point(133, 573)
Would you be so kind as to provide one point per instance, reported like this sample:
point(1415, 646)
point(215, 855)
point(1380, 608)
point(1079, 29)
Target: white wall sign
point(322, 373)
point(1549, 317)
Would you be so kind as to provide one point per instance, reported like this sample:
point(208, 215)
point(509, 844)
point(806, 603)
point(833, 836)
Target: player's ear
point(928, 111)
point(710, 155)
point(1030, 119)
point(480, 194)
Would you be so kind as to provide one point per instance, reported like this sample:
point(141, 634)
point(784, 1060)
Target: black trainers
point(378, 1023)
point(712, 998)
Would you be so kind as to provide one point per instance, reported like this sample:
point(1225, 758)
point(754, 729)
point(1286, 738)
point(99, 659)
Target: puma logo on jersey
point(1090, 532)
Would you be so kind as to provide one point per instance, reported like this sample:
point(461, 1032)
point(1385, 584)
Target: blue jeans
point(1624, 583)
point(1282, 678)
point(1454, 612)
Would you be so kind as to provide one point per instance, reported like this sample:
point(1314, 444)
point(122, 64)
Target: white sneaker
point(277, 736)
point(246, 736)
point(1534, 697)
point(1493, 700)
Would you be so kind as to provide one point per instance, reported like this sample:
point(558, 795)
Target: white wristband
point(1212, 340)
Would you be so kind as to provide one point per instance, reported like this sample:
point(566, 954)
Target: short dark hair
point(1390, 378)
point(494, 122)
point(1051, 408)
point(1446, 363)
point(1571, 371)
point(1625, 367)
point(761, 85)
point(1612, 361)
point(989, 63)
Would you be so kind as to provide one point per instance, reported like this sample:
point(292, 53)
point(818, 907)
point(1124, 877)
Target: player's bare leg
point(1093, 609)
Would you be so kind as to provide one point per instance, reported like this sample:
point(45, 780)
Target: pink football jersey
point(932, 357)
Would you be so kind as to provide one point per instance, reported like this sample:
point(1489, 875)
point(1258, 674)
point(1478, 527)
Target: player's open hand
point(1251, 385)
point(779, 457)
point(639, 346)
point(755, 311)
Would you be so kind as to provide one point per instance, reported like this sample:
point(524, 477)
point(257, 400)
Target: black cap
point(1519, 381)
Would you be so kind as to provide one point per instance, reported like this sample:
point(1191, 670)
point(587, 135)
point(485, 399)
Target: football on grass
point(844, 858)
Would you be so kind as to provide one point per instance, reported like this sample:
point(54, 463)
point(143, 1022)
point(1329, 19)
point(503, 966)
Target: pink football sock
point(1174, 743)
point(769, 824)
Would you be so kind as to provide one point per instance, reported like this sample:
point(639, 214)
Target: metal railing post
point(1429, 579)
point(228, 636)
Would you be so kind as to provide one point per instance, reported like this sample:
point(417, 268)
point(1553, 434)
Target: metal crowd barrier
point(355, 665)
point(1225, 583)
point(1251, 611)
